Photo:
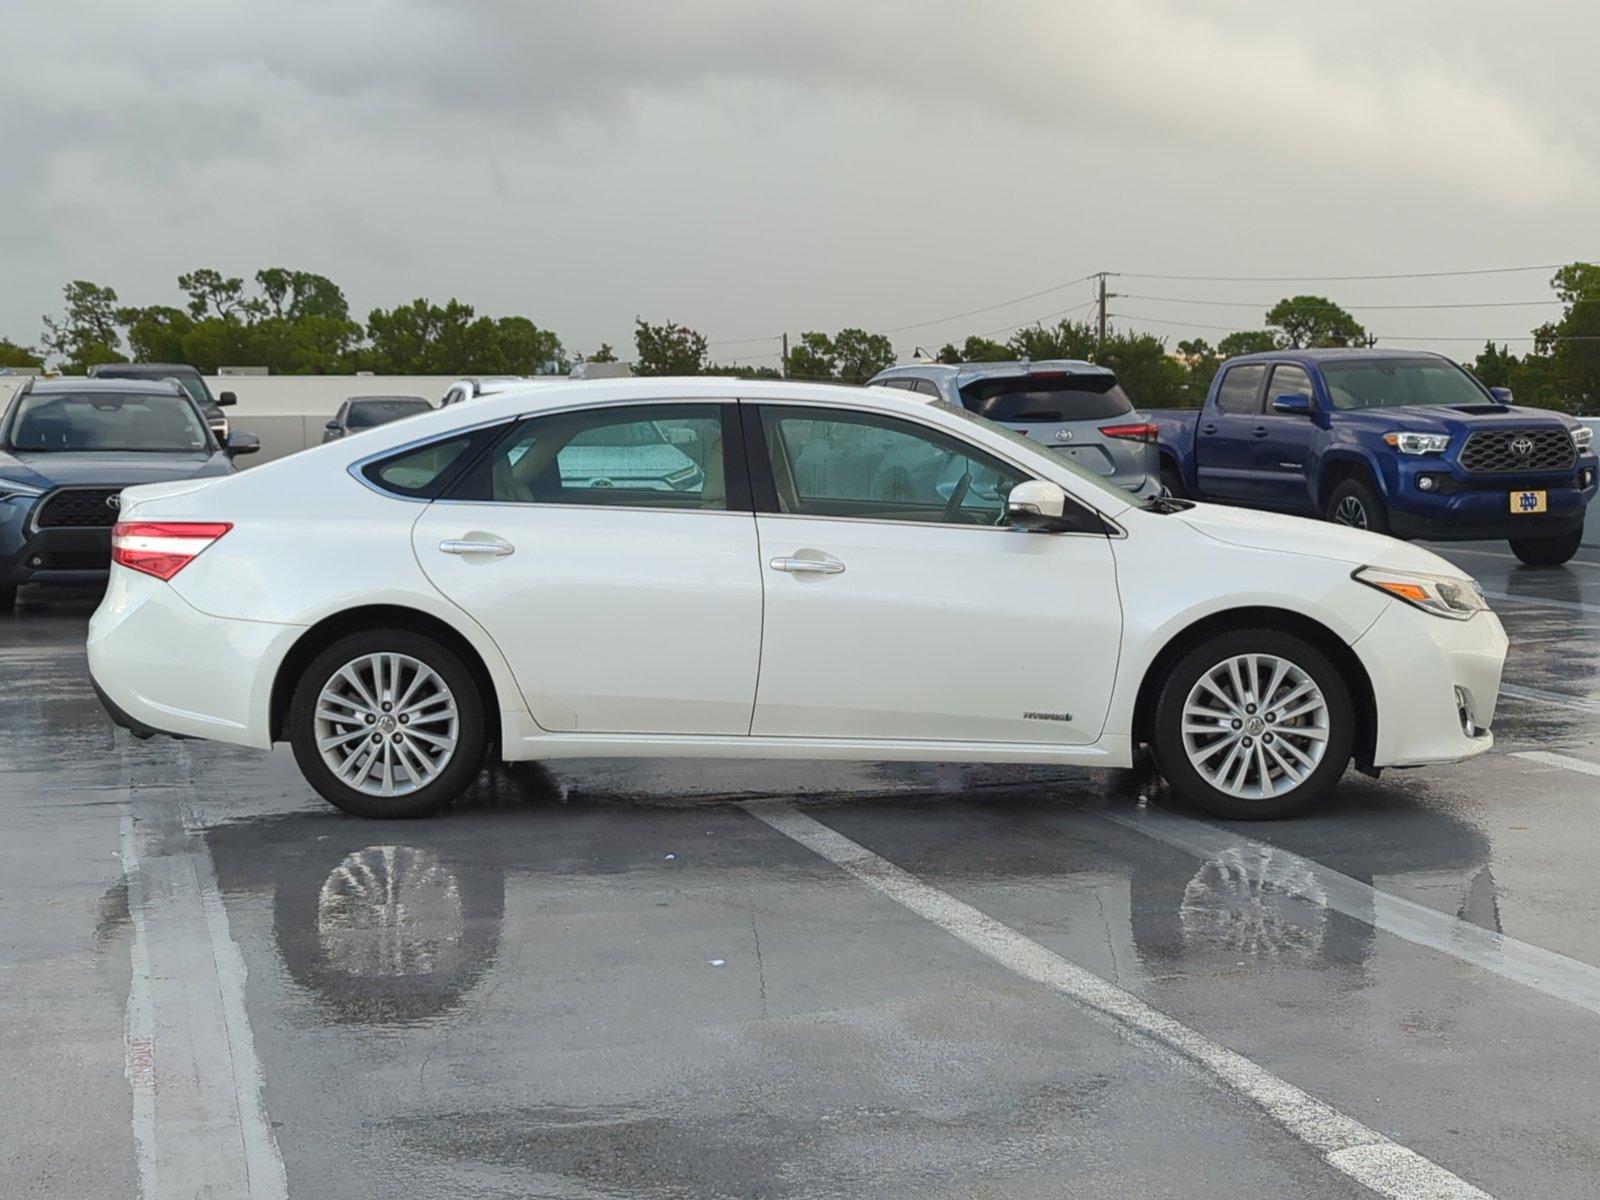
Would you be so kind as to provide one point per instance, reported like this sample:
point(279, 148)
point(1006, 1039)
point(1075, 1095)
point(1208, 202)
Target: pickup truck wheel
point(1547, 551)
point(1253, 724)
point(1172, 483)
point(1355, 504)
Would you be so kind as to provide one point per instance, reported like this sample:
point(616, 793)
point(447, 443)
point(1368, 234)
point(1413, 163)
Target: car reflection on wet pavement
point(613, 979)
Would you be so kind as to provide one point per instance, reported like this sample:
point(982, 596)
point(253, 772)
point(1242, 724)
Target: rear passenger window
point(926, 386)
point(1240, 390)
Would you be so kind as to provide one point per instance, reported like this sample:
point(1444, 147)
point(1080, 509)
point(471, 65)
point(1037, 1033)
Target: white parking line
point(1582, 766)
point(1544, 971)
point(1362, 1154)
point(199, 1124)
point(1541, 696)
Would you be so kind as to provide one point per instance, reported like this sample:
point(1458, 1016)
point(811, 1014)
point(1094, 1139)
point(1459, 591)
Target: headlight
point(1441, 595)
point(1418, 443)
point(1582, 438)
point(10, 489)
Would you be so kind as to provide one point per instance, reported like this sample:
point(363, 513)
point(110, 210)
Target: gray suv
point(1072, 407)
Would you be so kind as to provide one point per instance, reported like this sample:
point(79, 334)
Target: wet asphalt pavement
point(628, 980)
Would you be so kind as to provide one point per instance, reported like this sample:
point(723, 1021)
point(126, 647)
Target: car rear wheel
point(388, 724)
point(1172, 482)
point(1354, 503)
point(1254, 724)
point(1547, 551)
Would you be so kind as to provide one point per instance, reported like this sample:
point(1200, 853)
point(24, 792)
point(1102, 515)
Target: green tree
point(213, 294)
point(86, 333)
point(298, 295)
point(667, 349)
point(156, 333)
point(978, 349)
point(604, 354)
point(13, 355)
point(1252, 341)
point(813, 357)
point(1201, 360)
point(1307, 321)
point(1496, 366)
point(1151, 377)
point(423, 338)
point(861, 354)
point(1572, 343)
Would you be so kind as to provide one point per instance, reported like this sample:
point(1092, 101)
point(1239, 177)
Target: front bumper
point(1417, 662)
point(1471, 506)
point(51, 555)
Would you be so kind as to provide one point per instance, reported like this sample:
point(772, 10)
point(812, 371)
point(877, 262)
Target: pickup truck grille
point(77, 508)
point(1506, 451)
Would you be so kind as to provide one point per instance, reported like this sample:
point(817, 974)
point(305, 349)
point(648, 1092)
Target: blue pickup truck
point(1399, 442)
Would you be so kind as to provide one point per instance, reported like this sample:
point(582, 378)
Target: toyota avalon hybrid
point(844, 574)
point(67, 449)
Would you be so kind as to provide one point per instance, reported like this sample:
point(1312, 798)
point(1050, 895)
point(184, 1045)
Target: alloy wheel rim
point(386, 724)
point(1351, 512)
point(1255, 726)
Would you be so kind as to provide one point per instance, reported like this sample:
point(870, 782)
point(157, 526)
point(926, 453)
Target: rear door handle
point(1260, 431)
point(1208, 429)
point(495, 547)
point(807, 566)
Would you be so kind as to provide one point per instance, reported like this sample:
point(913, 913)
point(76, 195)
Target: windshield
point(1391, 383)
point(1024, 399)
point(1109, 492)
point(106, 421)
point(364, 414)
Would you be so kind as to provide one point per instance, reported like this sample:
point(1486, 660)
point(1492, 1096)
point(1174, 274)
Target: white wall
point(287, 412)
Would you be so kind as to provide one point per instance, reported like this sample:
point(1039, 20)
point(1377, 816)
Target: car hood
point(1302, 536)
point(56, 467)
point(1449, 418)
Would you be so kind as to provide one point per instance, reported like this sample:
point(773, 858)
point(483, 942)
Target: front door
point(1283, 456)
point(900, 606)
point(602, 551)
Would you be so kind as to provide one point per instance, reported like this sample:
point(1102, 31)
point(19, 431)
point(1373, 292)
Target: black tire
point(8, 598)
point(1548, 551)
point(1172, 482)
point(1168, 744)
point(1354, 503)
point(472, 738)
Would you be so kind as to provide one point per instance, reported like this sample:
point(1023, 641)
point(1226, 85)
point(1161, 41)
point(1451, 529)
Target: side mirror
point(241, 443)
point(1038, 506)
point(1295, 403)
point(226, 398)
point(332, 426)
point(1503, 395)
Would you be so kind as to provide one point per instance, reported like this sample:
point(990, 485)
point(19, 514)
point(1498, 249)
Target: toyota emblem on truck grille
point(1522, 446)
point(114, 500)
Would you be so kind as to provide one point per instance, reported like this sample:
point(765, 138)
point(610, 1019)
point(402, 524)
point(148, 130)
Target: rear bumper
point(1416, 663)
point(160, 665)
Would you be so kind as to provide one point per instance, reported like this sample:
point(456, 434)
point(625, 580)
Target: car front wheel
point(1355, 504)
point(1547, 551)
point(1253, 724)
point(388, 723)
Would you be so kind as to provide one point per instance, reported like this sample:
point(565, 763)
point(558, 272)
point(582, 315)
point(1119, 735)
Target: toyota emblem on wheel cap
point(1522, 446)
point(114, 500)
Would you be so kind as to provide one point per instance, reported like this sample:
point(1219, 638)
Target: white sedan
point(813, 572)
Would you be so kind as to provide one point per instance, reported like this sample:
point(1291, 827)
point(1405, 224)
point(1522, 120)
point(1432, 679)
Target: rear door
point(611, 554)
point(1283, 456)
point(899, 606)
point(1225, 446)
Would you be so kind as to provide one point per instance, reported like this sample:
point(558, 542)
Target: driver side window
point(830, 463)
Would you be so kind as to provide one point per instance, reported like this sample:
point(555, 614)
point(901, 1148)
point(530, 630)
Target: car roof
point(147, 368)
point(1337, 354)
point(150, 387)
point(967, 372)
point(364, 399)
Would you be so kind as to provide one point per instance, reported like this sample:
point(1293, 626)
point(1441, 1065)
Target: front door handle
point(494, 547)
point(1208, 428)
point(1260, 431)
point(807, 566)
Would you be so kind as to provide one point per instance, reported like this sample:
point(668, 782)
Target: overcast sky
point(749, 168)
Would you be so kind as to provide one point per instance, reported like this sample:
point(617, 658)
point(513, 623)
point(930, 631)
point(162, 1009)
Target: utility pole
point(1101, 297)
point(785, 370)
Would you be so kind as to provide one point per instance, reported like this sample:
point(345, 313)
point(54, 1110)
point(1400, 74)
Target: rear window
point(364, 414)
point(1030, 399)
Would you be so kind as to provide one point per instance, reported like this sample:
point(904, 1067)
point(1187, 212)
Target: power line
point(1344, 278)
point(1392, 337)
point(1331, 304)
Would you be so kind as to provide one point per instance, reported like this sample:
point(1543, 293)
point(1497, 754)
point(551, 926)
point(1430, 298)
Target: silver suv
point(1073, 407)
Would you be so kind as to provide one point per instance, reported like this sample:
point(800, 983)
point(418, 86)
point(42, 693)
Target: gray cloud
point(749, 167)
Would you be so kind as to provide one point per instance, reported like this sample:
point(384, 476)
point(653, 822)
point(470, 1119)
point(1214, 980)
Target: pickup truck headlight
point(1418, 443)
point(10, 489)
point(1582, 438)
point(1441, 595)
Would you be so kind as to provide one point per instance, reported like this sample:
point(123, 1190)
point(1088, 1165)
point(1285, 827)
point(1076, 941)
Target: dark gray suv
point(1072, 407)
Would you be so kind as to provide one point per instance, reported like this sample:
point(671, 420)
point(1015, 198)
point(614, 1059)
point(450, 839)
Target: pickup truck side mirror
point(226, 398)
point(241, 443)
point(1503, 395)
point(1295, 403)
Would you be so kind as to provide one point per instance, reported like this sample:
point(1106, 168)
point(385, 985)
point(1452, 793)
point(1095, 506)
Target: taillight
point(162, 548)
point(1143, 431)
